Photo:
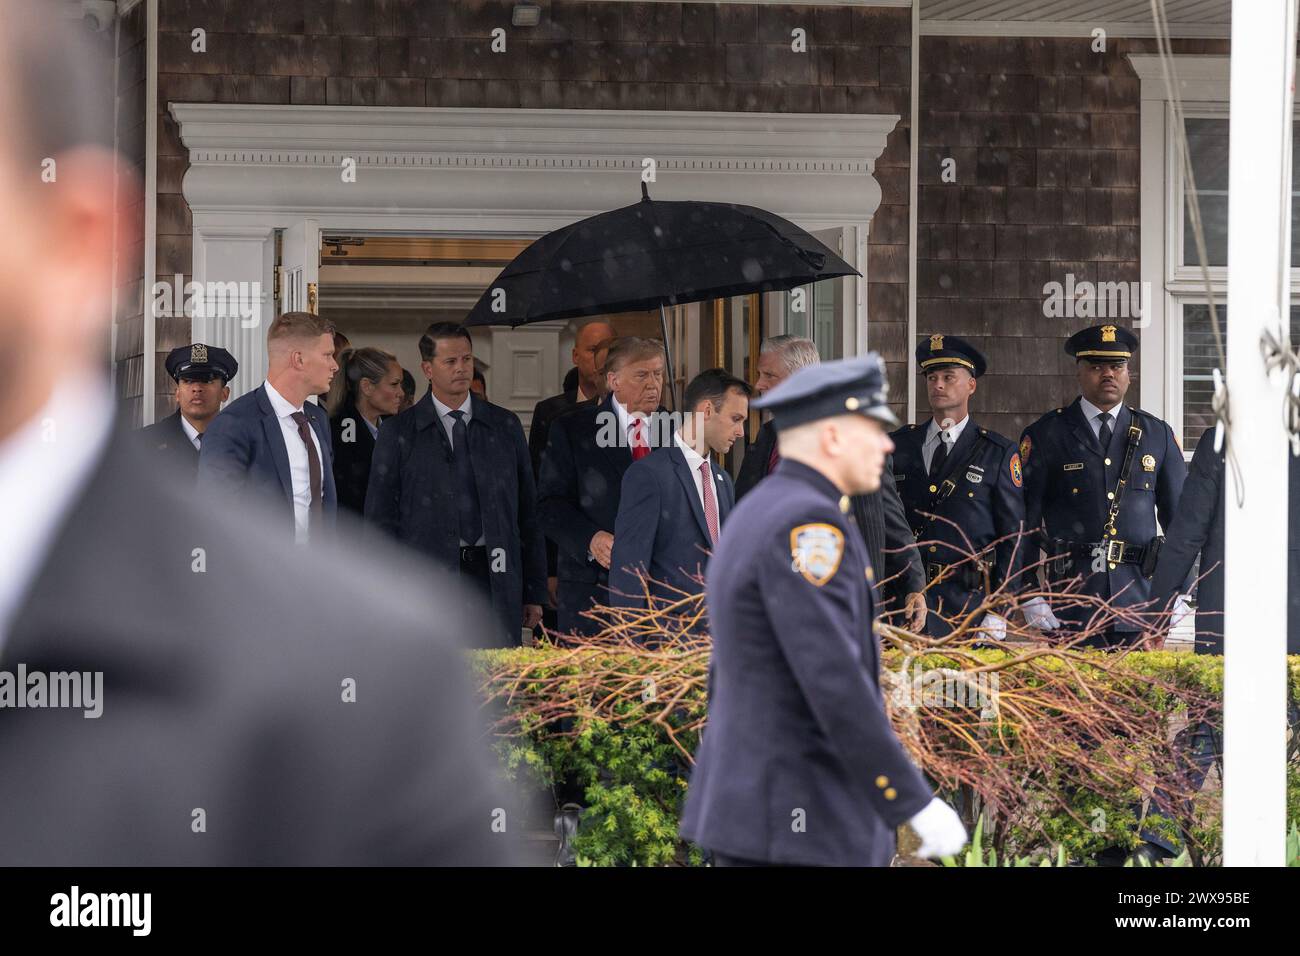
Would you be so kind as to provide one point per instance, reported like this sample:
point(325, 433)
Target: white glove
point(1180, 611)
point(1039, 615)
point(995, 626)
point(940, 829)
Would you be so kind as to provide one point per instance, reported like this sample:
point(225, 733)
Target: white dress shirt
point(626, 420)
point(191, 433)
point(693, 462)
point(937, 434)
point(1091, 412)
point(299, 463)
point(43, 467)
point(449, 423)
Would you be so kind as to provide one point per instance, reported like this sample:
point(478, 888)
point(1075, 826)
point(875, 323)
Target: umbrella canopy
point(652, 254)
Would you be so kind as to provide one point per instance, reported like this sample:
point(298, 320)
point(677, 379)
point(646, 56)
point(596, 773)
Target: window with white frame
point(1192, 348)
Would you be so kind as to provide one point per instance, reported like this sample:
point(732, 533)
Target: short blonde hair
point(298, 325)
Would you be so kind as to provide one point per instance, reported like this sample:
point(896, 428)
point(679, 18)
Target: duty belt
point(970, 574)
point(1116, 552)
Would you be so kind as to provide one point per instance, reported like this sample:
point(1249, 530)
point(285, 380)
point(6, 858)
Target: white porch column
point(1255, 560)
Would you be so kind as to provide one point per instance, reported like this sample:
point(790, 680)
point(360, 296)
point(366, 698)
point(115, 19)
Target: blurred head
point(408, 390)
point(447, 360)
point(950, 390)
point(780, 357)
point(1103, 383)
point(300, 355)
point(478, 385)
point(850, 450)
point(718, 404)
point(587, 342)
point(199, 397)
point(373, 381)
point(634, 372)
point(57, 173)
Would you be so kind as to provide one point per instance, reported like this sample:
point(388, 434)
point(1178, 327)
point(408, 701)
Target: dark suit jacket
point(1198, 529)
point(890, 546)
point(412, 496)
point(167, 440)
point(351, 458)
point(757, 454)
point(223, 691)
point(577, 494)
point(661, 530)
point(544, 413)
point(244, 450)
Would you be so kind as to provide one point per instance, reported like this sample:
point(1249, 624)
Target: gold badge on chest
point(1148, 462)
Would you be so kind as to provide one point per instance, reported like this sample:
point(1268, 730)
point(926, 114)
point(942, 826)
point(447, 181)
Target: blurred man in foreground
point(250, 711)
point(798, 763)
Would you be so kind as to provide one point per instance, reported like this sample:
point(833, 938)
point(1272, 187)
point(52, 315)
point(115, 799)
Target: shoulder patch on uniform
point(1016, 477)
point(816, 551)
point(1026, 446)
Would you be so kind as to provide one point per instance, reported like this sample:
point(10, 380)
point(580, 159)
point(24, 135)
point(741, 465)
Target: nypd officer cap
point(846, 386)
point(949, 351)
point(199, 361)
point(1102, 343)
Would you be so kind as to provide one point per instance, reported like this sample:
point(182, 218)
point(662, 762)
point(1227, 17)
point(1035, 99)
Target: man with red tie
point(588, 450)
point(674, 501)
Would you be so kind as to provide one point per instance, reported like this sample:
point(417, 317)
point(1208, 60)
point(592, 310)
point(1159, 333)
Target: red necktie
point(710, 501)
point(639, 447)
point(313, 466)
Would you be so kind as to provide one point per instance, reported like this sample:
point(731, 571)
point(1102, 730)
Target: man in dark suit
point(799, 764)
point(879, 516)
point(585, 382)
point(962, 487)
point(451, 478)
point(226, 665)
point(590, 448)
point(272, 441)
point(1197, 530)
point(674, 501)
point(591, 339)
point(202, 374)
point(1097, 475)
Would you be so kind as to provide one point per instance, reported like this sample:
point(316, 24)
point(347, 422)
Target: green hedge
point(635, 779)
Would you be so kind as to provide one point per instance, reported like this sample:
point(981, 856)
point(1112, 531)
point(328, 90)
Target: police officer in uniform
point(961, 485)
point(1097, 475)
point(202, 374)
point(799, 764)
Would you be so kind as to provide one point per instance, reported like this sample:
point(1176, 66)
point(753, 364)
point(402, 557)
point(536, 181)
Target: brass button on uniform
point(891, 793)
point(933, 548)
point(882, 781)
point(933, 489)
point(1110, 495)
point(844, 504)
point(1108, 461)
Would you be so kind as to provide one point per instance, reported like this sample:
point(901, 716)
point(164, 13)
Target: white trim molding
point(1066, 28)
point(1201, 80)
point(256, 169)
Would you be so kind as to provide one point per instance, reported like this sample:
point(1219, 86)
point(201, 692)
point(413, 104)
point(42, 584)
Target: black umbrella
point(652, 254)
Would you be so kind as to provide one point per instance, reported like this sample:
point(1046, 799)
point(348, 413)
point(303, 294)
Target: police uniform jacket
point(985, 504)
point(167, 439)
point(1068, 477)
point(798, 763)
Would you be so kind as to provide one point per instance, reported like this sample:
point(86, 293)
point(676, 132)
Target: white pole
point(1255, 607)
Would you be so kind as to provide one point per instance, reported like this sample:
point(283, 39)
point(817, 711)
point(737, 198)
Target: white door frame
point(515, 173)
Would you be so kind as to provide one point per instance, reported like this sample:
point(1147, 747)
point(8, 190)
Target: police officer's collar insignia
point(1148, 462)
point(198, 354)
point(816, 550)
point(1108, 333)
point(936, 343)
